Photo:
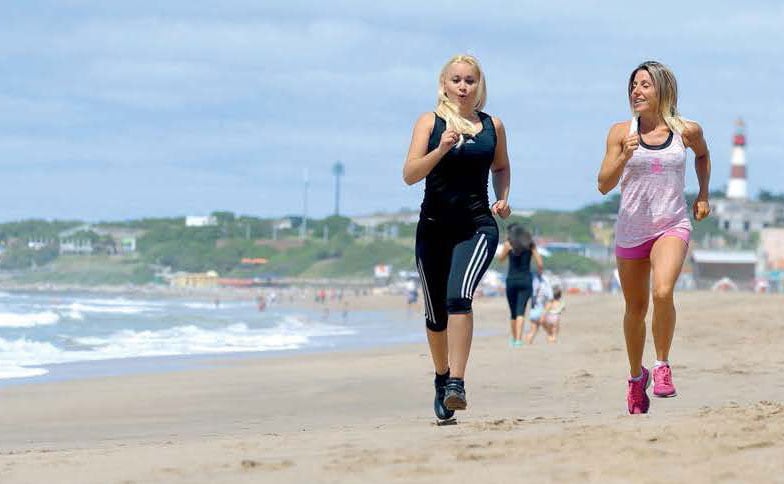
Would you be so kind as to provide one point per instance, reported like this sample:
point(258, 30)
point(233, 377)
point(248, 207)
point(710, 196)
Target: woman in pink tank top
point(647, 156)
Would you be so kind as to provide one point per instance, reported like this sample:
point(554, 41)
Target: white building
point(76, 246)
point(741, 217)
point(200, 221)
point(37, 244)
point(376, 220)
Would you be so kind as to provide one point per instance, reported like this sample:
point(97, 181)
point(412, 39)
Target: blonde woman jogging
point(454, 150)
point(647, 155)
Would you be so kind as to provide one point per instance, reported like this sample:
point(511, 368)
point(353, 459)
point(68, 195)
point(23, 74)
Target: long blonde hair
point(448, 110)
point(667, 90)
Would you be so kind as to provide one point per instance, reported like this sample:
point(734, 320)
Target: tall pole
point(303, 228)
point(337, 169)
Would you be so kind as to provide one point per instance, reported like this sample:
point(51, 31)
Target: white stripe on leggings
point(474, 281)
point(472, 264)
point(471, 267)
point(428, 304)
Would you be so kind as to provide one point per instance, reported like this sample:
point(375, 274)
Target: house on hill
point(200, 221)
point(110, 240)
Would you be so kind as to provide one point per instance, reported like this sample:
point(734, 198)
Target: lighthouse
point(736, 188)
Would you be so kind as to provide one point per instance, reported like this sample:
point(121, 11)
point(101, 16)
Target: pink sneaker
point(662, 382)
point(636, 396)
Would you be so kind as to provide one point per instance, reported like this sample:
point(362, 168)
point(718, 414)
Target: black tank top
point(456, 188)
point(520, 266)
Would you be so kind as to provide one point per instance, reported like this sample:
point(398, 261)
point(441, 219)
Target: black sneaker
point(442, 412)
point(455, 397)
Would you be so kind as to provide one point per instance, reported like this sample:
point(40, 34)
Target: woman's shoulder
point(691, 130)
point(428, 118)
point(497, 123)
point(619, 130)
point(498, 126)
point(425, 122)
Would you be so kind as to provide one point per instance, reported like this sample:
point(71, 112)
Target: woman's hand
point(501, 208)
point(448, 139)
point(701, 208)
point(630, 143)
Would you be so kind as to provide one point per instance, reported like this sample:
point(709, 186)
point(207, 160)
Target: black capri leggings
point(517, 295)
point(451, 261)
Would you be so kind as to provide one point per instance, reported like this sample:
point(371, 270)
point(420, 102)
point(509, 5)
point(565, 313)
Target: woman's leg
point(511, 299)
point(432, 261)
point(525, 296)
point(438, 343)
point(635, 284)
point(470, 260)
point(460, 332)
point(667, 258)
point(519, 327)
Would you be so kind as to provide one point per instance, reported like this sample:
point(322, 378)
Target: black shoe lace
point(455, 386)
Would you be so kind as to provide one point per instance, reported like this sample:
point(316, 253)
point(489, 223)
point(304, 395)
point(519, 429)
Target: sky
point(116, 110)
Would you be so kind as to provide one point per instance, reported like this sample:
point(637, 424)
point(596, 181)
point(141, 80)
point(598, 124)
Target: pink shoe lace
point(662, 381)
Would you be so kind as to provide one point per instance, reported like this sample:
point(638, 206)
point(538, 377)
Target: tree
point(767, 196)
point(223, 218)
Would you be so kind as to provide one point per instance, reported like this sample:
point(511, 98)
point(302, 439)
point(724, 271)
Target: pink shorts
point(643, 251)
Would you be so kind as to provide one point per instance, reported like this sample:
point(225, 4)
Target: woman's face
point(644, 97)
point(461, 81)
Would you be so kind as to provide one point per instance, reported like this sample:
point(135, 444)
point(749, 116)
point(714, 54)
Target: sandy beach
point(540, 413)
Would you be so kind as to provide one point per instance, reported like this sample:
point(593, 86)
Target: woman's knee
point(458, 305)
point(637, 308)
point(662, 293)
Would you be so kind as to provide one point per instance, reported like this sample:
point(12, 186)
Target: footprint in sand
point(757, 445)
point(250, 464)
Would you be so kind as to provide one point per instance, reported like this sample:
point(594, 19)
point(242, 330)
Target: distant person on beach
point(411, 295)
point(520, 249)
point(543, 294)
point(647, 155)
point(551, 319)
point(455, 148)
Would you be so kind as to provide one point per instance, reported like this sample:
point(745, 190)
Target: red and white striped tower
point(736, 188)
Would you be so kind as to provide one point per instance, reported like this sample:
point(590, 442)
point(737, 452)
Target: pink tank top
point(652, 187)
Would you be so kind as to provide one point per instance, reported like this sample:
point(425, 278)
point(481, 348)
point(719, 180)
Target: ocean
point(57, 336)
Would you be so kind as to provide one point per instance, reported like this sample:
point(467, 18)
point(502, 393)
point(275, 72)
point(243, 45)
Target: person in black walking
point(520, 249)
point(455, 149)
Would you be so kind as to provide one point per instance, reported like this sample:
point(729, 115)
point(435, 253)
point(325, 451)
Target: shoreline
point(359, 311)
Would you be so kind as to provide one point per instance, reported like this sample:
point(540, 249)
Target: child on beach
point(543, 294)
point(455, 149)
point(647, 155)
point(551, 319)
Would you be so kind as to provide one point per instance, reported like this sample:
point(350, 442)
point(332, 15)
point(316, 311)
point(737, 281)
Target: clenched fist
point(501, 208)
